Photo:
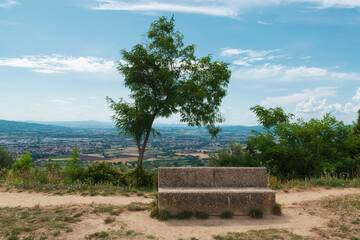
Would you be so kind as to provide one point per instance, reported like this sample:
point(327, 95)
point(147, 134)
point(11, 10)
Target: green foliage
point(163, 215)
point(233, 156)
point(276, 209)
point(256, 213)
point(24, 163)
point(226, 215)
point(201, 215)
point(104, 173)
point(271, 117)
point(73, 170)
point(138, 177)
point(302, 149)
point(165, 77)
point(183, 215)
point(6, 159)
point(154, 212)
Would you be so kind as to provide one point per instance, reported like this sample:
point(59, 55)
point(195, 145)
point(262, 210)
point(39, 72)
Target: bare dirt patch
point(303, 214)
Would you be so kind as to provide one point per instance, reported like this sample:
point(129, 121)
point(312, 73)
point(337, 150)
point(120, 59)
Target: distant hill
point(68, 126)
point(79, 124)
point(23, 127)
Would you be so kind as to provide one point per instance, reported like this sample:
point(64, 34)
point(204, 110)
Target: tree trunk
point(142, 149)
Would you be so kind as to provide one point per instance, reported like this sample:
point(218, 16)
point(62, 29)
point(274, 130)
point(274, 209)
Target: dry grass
point(269, 234)
point(31, 222)
point(53, 222)
point(343, 214)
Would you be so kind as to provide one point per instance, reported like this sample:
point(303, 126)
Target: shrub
point(163, 215)
point(183, 215)
point(154, 212)
point(109, 220)
point(104, 173)
point(256, 213)
point(226, 215)
point(24, 163)
point(73, 170)
point(138, 177)
point(201, 215)
point(276, 209)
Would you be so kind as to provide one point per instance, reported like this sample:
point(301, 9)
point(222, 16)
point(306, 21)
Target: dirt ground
point(294, 218)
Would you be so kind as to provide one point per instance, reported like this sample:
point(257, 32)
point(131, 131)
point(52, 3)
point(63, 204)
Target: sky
point(58, 58)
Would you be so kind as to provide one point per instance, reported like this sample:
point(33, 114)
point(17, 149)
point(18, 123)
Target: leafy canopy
point(165, 77)
point(302, 149)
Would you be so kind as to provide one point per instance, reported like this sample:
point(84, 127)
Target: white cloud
point(72, 98)
point(249, 56)
point(59, 64)
point(357, 96)
point(320, 106)
point(263, 23)
point(223, 8)
point(178, 6)
point(281, 73)
point(305, 95)
point(8, 3)
point(59, 101)
point(332, 3)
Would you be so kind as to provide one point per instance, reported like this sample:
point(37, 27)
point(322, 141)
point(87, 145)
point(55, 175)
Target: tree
point(302, 149)
point(6, 159)
point(165, 78)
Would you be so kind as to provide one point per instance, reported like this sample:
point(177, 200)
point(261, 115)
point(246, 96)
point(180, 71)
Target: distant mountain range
point(36, 126)
point(22, 127)
point(78, 124)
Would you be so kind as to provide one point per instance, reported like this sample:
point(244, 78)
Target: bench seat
point(215, 201)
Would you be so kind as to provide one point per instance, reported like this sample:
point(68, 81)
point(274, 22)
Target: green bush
point(24, 163)
point(163, 215)
point(183, 215)
point(226, 215)
point(138, 177)
point(154, 212)
point(73, 170)
point(256, 213)
point(276, 209)
point(104, 173)
point(201, 215)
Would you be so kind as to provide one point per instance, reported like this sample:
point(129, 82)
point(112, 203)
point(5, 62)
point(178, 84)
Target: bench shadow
point(215, 221)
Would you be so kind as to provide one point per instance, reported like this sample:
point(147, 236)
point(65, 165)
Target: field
point(307, 214)
point(154, 157)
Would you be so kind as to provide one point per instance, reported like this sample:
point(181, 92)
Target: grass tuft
point(256, 213)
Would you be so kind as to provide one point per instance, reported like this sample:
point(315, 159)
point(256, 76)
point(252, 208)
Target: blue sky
point(58, 58)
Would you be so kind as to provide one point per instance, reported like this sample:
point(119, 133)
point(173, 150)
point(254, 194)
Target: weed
point(98, 235)
point(201, 215)
point(138, 206)
point(163, 215)
point(260, 234)
point(154, 212)
point(276, 209)
point(109, 220)
point(256, 213)
point(226, 215)
point(183, 215)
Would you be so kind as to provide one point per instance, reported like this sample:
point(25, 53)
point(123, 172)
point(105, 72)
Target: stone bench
point(214, 190)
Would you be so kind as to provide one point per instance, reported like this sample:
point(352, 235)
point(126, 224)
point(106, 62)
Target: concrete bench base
point(215, 201)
